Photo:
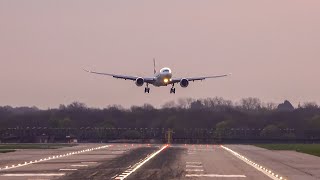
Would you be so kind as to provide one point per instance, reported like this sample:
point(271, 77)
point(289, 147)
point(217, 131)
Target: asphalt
point(85, 156)
point(110, 169)
point(293, 165)
point(167, 165)
point(142, 161)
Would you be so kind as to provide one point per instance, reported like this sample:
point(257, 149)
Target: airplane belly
point(162, 80)
point(158, 83)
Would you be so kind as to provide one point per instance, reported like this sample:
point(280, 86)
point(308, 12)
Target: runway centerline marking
point(258, 167)
point(195, 170)
point(215, 175)
point(141, 163)
point(33, 174)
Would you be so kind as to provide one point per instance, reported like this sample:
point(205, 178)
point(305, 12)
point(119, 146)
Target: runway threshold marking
point(193, 166)
point(33, 174)
point(68, 169)
point(141, 163)
point(89, 162)
point(79, 165)
point(215, 175)
point(199, 163)
point(194, 170)
point(260, 168)
point(52, 157)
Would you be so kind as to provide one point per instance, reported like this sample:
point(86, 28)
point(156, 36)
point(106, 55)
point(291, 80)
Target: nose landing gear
point(173, 90)
point(147, 89)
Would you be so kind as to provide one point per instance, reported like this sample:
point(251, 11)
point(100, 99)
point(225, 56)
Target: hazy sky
point(271, 47)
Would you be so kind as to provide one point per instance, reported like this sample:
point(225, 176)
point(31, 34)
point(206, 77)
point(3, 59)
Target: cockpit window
point(166, 70)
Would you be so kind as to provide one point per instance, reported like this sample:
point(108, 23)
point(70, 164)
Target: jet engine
point(139, 81)
point(184, 83)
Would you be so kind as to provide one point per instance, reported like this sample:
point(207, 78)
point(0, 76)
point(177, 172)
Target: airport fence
point(157, 135)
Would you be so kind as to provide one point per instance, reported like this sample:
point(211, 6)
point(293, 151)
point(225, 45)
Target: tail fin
point(154, 66)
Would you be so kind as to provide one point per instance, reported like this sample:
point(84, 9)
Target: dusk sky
point(271, 47)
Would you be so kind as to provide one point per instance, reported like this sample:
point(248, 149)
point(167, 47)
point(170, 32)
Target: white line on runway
point(260, 168)
point(193, 166)
point(195, 170)
point(89, 162)
point(193, 163)
point(123, 176)
point(30, 174)
point(79, 165)
point(53, 157)
point(68, 169)
point(215, 175)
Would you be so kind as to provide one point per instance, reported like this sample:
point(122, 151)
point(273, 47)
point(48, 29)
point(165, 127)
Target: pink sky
point(271, 47)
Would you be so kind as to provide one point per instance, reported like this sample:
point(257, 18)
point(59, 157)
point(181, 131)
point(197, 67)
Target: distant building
point(285, 106)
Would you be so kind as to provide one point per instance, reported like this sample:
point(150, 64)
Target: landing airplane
point(162, 78)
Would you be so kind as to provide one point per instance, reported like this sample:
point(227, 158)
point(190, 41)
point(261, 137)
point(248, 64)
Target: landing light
point(166, 80)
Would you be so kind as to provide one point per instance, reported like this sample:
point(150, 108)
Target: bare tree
point(170, 104)
point(250, 104)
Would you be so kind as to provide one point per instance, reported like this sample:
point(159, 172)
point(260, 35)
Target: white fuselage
point(163, 77)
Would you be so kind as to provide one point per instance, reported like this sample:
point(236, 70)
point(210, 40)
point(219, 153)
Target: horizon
point(175, 104)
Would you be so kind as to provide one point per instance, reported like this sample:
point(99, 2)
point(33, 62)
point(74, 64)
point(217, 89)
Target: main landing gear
point(147, 89)
point(173, 90)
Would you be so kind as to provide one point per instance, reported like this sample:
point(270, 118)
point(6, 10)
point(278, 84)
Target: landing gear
point(147, 89)
point(173, 90)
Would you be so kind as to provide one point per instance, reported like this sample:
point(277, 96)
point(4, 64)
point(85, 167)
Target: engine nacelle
point(139, 81)
point(184, 83)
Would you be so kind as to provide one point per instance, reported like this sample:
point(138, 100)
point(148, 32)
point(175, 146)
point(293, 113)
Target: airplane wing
point(176, 80)
point(125, 77)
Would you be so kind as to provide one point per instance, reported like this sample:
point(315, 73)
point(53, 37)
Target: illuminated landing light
point(166, 80)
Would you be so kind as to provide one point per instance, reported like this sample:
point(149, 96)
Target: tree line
point(216, 113)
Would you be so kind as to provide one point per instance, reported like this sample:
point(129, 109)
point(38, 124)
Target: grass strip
point(34, 146)
point(313, 149)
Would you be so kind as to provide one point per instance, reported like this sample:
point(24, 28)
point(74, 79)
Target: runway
point(143, 161)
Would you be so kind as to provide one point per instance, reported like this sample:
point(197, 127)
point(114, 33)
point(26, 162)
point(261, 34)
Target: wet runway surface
point(142, 161)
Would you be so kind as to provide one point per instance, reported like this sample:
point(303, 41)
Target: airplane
point(161, 78)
